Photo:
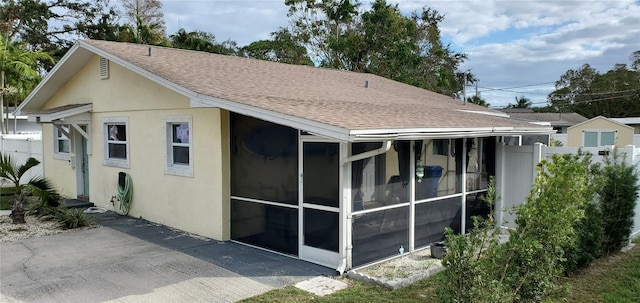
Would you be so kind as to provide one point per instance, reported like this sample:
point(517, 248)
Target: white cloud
point(509, 42)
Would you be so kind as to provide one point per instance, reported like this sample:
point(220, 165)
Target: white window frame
point(171, 168)
point(599, 132)
point(124, 163)
point(57, 154)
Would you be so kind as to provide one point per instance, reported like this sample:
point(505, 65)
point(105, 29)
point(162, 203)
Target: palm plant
point(19, 69)
point(38, 186)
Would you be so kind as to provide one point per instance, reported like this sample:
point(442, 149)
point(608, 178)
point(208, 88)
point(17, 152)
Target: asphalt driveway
point(133, 260)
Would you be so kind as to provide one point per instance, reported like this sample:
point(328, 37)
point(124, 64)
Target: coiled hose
point(124, 194)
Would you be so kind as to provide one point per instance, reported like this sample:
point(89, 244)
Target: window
point(61, 143)
point(599, 138)
point(179, 152)
point(441, 147)
point(116, 141)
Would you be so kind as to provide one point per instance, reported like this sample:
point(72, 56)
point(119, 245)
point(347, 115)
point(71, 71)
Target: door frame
point(308, 253)
point(82, 152)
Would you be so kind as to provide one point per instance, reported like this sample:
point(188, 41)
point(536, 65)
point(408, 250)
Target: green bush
point(71, 217)
point(527, 267)
point(589, 231)
point(618, 196)
point(68, 217)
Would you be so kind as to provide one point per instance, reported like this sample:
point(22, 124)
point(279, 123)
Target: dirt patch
point(399, 272)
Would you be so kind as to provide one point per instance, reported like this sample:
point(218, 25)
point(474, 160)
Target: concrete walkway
point(133, 260)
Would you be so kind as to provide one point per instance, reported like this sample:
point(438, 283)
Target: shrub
point(527, 267)
point(71, 217)
point(618, 196)
point(589, 231)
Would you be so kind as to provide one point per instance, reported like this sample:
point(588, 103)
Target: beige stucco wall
point(624, 134)
point(198, 204)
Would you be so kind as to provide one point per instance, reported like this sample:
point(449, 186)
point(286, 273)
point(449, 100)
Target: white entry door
point(320, 203)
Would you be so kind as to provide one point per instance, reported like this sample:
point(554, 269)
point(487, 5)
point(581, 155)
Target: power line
point(512, 87)
point(592, 100)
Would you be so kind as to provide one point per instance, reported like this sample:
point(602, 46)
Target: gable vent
point(104, 68)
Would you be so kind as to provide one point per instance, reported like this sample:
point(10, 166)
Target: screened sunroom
point(348, 204)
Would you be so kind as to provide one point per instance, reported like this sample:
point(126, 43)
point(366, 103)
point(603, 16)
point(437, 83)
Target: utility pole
point(464, 88)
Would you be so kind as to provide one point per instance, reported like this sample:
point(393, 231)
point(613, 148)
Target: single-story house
point(337, 168)
point(631, 121)
point(599, 131)
point(559, 121)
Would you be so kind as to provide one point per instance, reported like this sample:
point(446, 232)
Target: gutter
point(386, 146)
point(345, 254)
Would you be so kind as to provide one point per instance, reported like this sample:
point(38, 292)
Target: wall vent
point(104, 68)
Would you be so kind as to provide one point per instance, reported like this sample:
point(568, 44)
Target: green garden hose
point(125, 194)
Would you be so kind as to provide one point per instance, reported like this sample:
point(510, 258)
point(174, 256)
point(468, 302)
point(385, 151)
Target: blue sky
point(515, 47)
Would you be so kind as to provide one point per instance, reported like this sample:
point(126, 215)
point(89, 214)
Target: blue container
point(428, 188)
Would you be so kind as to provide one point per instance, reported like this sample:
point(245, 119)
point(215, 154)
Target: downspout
point(386, 146)
point(345, 255)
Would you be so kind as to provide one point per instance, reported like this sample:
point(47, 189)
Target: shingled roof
point(356, 104)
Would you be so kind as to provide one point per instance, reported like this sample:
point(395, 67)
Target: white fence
point(516, 165)
point(21, 148)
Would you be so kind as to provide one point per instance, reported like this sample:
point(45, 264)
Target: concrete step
point(75, 203)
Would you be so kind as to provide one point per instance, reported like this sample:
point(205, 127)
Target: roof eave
point(59, 115)
point(75, 59)
point(446, 133)
point(318, 128)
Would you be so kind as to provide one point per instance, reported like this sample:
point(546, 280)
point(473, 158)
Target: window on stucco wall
point(116, 141)
point(61, 144)
point(179, 150)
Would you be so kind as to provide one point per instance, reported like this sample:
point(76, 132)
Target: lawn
point(611, 279)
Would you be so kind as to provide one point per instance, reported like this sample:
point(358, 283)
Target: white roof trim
point(50, 117)
point(275, 117)
point(479, 112)
point(601, 118)
point(162, 81)
point(46, 79)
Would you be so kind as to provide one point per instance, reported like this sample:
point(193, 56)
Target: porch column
point(346, 219)
point(463, 187)
point(412, 197)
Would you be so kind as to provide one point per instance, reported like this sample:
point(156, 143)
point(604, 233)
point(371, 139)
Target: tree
point(202, 41)
point(51, 26)
point(380, 40)
point(39, 187)
point(618, 195)
point(19, 68)
point(479, 101)
point(142, 34)
point(146, 18)
point(613, 94)
point(521, 102)
point(283, 48)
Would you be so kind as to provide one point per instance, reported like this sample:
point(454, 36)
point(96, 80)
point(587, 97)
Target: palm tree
point(522, 102)
point(478, 100)
point(18, 70)
point(38, 186)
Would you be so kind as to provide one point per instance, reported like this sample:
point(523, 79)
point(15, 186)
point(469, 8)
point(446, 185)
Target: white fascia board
point(47, 79)
point(479, 112)
point(44, 118)
point(446, 133)
point(318, 128)
point(143, 72)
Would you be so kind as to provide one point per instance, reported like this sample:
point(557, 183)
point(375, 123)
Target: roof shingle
point(333, 97)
